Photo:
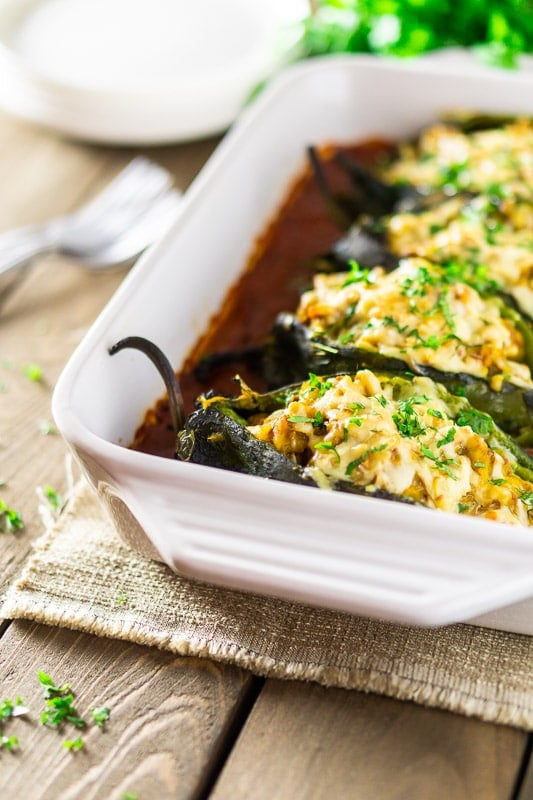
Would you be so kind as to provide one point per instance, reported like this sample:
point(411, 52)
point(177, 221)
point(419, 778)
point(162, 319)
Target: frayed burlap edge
point(508, 706)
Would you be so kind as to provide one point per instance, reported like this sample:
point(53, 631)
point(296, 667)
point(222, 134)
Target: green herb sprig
point(496, 31)
point(8, 710)
point(358, 461)
point(10, 520)
point(59, 704)
point(442, 464)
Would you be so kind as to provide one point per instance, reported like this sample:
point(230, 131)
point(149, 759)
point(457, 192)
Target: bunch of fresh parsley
point(498, 31)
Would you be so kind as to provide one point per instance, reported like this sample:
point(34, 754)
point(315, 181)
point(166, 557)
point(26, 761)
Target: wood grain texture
point(170, 716)
point(47, 316)
point(168, 719)
point(304, 741)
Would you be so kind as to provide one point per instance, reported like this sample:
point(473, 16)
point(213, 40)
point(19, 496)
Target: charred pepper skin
point(216, 433)
point(293, 352)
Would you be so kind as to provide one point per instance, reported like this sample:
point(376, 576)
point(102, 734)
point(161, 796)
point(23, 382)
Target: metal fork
point(133, 211)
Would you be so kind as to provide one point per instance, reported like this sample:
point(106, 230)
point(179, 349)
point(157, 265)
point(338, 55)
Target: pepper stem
point(165, 369)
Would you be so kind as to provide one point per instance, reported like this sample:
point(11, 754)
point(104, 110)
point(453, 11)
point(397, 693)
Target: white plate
point(358, 554)
point(139, 71)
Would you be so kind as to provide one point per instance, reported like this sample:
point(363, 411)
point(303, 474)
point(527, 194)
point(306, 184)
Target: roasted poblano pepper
point(487, 240)
point(293, 352)
point(459, 195)
point(447, 158)
point(374, 433)
point(418, 318)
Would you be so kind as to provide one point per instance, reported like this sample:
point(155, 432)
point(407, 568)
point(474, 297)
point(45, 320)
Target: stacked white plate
point(139, 71)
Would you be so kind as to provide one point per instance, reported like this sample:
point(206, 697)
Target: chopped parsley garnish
point(356, 408)
point(443, 306)
point(33, 372)
point(406, 419)
point(479, 422)
point(100, 715)
point(317, 421)
point(9, 742)
point(498, 481)
point(346, 338)
point(10, 520)
point(319, 385)
point(8, 710)
point(454, 176)
point(54, 500)
point(358, 461)
point(450, 436)
point(434, 342)
point(59, 706)
point(122, 598)
point(497, 191)
point(471, 273)
point(527, 497)
point(357, 274)
point(59, 709)
point(327, 446)
point(73, 745)
point(392, 323)
point(416, 286)
point(463, 508)
point(434, 412)
point(47, 428)
point(440, 463)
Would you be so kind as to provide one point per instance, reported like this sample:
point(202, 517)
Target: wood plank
point(47, 316)
point(169, 717)
point(305, 741)
point(38, 327)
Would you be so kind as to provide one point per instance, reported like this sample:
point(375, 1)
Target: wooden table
point(180, 727)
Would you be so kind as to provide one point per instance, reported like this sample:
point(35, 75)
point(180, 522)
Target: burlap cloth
point(82, 576)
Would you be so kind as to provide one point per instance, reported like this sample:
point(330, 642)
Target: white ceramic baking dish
point(357, 554)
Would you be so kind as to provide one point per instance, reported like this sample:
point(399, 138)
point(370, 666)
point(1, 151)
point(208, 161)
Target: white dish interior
point(356, 554)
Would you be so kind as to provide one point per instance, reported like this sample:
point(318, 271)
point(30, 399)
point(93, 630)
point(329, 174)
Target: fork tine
point(151, 225)
point(110, 224)
point(86, 233)
point(140, 181)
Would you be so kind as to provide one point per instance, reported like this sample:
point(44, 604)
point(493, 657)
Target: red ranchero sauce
point(278, 270)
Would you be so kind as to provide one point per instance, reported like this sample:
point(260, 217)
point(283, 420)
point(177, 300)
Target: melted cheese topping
point(493, 243)
point(416, 314)
point(401, 439)
point(448, 158)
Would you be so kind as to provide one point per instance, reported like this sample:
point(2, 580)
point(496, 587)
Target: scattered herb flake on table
point(10, 520)
point(55, 501)
point(74, 744)
point(59, 704)
point(33, 372)
point(47, 428)
point(100, 715)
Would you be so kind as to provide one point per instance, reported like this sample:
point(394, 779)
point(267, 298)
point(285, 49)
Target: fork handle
point(17, 254)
